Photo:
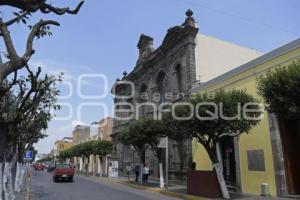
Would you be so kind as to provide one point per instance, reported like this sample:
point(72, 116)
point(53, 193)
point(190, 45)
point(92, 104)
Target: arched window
point(161, 85)
point(178, 71)
point(143, 93)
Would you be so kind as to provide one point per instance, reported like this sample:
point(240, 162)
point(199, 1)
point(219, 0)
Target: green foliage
point(142, 134)
point(27, 108)
point(230, 104)
point(209, 130)
point(280, 89)
point(86, 148)
point(178, 130)
point(99, 147)
point(102, 148)
point(21, 16)
point(46, 159)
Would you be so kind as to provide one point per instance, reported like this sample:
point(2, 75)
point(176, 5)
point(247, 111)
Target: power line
point(241, 17)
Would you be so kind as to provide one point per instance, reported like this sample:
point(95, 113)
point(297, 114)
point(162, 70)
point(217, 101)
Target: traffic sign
point(28, 155)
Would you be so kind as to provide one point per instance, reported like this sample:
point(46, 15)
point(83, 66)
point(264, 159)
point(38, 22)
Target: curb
point(148, 189)
point(161, 191)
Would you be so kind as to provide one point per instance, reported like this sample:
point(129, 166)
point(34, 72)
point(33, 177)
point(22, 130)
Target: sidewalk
point(25, 192)
point(156, 184)
point(151, 186)
point(179, 191)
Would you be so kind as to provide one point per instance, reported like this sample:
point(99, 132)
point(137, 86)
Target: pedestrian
point(146, 171)
point(137, 173)
point(128, 171)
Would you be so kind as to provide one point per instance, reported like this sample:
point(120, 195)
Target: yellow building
point(258, 157)
point(62, 145)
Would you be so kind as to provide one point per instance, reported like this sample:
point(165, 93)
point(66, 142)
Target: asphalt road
point(83, 188)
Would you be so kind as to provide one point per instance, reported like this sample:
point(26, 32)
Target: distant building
point(62, 145)
point(105, 128)
point(81, 134)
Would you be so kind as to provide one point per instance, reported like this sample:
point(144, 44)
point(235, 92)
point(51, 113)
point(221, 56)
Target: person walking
point(128, 171)
point(146, 171)
point(137, 173)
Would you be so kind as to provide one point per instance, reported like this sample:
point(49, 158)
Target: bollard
point(265, 189)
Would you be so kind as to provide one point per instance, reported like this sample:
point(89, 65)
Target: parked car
point(39, 167)
point(50, 168)
point(63, 171)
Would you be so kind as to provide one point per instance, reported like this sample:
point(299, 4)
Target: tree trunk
point(95, 165)
point(3, 146)
point(212, 152)
point(20, 170)
point(14, 165)
point(141, 168)
point(8, 182)
point(18, 177)
point(81, 164)
point(180, 148)
point(142, 162)
point(1, 179)
point(100, 166)
point(161, 175)
point(91, 164)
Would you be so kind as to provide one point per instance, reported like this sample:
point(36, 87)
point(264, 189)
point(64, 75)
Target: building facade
point(96, 166)
point(105, 127)
point(166, 74)
point(62, 145)
point(268, 153)
point(81, 133)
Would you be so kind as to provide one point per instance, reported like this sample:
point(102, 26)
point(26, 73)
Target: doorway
point(290, 137)
point(228, 157)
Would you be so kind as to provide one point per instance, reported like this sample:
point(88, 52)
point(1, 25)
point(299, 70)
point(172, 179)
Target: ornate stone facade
point(162, 75)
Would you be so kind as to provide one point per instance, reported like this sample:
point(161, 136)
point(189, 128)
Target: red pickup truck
point(63, 172)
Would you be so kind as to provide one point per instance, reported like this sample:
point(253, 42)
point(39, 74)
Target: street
point(83, 188)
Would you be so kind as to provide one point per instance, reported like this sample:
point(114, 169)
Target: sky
point(96, 46)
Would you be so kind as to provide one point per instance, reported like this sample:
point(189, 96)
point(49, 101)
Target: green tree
point(86, 149)
point(102, 148)
point(218, 117)
point(177, 131)
point(28, 111)
point(25, 113)
point(46, 159)
point(280, 89)
point(143, 134)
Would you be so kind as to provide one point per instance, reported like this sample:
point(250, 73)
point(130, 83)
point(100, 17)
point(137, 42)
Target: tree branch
point(12, 53)
point(35, 5)
point(47, 8)
point(15, 62)
point(16, 19)
point(34, 32)
point(33, 87)
point(4, 90)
